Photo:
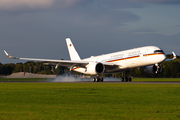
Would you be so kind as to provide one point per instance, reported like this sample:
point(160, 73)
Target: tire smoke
point(79, 79)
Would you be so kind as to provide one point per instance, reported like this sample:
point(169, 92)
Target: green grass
point(46, 101)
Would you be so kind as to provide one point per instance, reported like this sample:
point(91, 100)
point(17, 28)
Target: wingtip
point(9, 55)
point(174, 55)
point(6, 53)
point(68, 39)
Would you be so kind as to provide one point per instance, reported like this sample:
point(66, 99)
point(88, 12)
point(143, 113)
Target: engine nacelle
point(153, 69)
point(95, 68)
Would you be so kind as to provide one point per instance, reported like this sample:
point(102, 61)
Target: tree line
point(169, 69)
point(31, 67)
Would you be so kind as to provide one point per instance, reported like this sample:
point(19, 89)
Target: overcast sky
point(38, 28)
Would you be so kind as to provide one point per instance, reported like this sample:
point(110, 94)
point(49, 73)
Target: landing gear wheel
point(94, 79)
point(130, 79)
point(98, 79)
point(101, 79)
point(122, 79)
point(126, 79)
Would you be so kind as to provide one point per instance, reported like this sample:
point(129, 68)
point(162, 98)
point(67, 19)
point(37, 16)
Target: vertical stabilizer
point(72, 51)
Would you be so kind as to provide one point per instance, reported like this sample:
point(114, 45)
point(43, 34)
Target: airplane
point(149, 57)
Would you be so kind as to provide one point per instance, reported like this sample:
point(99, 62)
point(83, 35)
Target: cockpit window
point(158, 51)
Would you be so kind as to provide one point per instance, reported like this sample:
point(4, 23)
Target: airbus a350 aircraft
point(150, 57)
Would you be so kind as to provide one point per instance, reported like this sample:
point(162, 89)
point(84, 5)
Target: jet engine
point(153, 69)
point(95, 68)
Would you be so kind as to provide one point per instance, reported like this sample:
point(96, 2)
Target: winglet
point(9, 55)
point(174, 55)
point(6, 53)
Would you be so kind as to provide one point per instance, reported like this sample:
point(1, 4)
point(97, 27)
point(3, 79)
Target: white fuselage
point(137, 57)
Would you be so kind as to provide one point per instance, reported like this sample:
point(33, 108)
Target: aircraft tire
point(126, 79)
point(122, 79)
point(130, 79)
point(101, 79)
point(97, 79)
point(94, 79)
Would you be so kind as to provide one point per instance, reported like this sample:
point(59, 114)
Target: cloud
point(68, 3)
point(158, 1)
point(19, 4)
point(143, 31)
point(10, 5)
point(177, 25)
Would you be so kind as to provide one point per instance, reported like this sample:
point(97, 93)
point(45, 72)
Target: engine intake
point(95, 68)
point(99, 68)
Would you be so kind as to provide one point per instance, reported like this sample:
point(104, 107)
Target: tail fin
point(72, 51)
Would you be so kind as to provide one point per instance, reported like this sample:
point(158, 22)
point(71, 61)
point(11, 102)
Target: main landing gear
point(126, 79)
point(98, 79)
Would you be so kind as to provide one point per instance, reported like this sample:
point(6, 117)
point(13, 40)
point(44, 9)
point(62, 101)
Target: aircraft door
point(146, 53)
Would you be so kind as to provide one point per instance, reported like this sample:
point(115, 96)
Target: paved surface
point(105, 82)
point(116, 82)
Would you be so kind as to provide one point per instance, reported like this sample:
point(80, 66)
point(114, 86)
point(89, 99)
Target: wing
point(67, 63)
point(174, 57)
point(60, 62)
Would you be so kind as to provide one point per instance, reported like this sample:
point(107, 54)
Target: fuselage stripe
point(123, 59)
point(135, 57)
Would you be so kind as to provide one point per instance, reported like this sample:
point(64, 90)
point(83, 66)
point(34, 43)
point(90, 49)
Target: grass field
point(89, 101)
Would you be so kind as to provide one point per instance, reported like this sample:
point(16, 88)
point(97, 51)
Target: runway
point(116, 82)
point(88, 82)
